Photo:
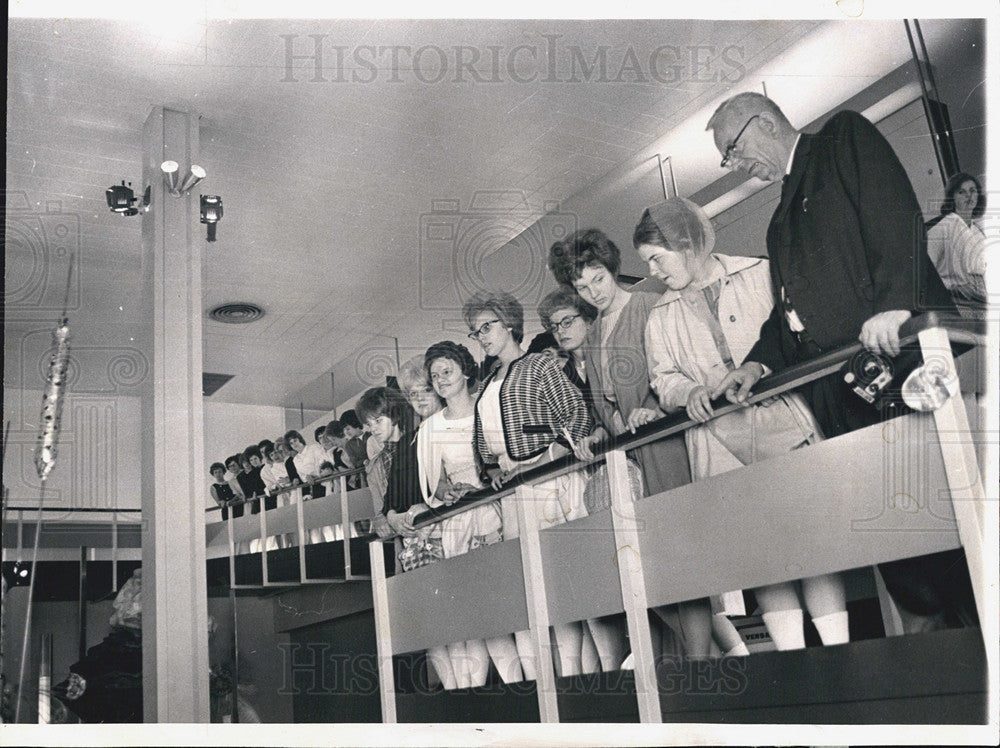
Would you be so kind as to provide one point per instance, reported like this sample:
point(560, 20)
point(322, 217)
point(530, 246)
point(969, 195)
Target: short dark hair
point(319, 432)
point(216, 466)
point(336, 428)
point(503, 304)
point(265, 444)
point(350, 418)
point(564, 298)
point(453, 352)
point(327, 465)
point(233, 458)
point(542, 342)
point(384, 401)
point(293, 434)
point(252, 451)
point(951, 189)
point(586, 247)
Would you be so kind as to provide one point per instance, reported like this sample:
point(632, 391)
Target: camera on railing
point(868, 374)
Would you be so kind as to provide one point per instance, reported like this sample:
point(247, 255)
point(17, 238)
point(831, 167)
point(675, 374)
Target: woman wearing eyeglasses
point(569, 318)
point(526, 414)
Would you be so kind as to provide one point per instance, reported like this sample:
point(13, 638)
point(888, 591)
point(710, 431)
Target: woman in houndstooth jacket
point(527, 390)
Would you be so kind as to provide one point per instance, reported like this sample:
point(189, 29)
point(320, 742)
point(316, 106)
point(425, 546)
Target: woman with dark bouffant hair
point(589, 261)
point(956, 244)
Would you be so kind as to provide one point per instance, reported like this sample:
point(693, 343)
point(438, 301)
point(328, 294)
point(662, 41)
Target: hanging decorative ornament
point(52, 402)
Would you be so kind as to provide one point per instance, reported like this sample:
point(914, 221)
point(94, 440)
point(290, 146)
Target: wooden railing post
point(383, 633)
point(527, 499)
point(961, 467)
point(630, 573)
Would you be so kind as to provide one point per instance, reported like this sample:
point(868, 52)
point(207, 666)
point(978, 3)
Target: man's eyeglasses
point(564, 323)
point(727, 155)
point(484, 329)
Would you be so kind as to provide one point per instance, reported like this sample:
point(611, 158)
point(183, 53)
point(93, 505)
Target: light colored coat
point(682, 354)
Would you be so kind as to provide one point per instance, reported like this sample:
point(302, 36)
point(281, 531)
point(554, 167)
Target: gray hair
point(743, 106)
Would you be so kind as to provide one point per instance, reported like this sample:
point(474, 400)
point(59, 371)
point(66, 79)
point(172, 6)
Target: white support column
point(383, 633)
point(174, 602)
point(628, 559)
point(538, 610)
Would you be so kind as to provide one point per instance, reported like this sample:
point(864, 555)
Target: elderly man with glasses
point(848, 253)
point(846, 243)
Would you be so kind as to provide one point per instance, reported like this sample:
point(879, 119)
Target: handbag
point(597, 494)
point(420, 550)
point(767, 429)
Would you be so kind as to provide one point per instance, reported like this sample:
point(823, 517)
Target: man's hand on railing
point(585, 448)
point(743, 378)
point(880, 333)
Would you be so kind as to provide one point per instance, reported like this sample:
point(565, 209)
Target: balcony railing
point(906, 487)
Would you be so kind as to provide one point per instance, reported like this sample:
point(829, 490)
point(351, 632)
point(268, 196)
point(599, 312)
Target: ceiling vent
point(237, 313)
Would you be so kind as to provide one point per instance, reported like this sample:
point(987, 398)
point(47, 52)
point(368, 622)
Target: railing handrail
point(64, 510)
point(288, 489)
point(960, 330)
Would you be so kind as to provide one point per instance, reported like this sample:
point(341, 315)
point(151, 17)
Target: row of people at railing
point(842, 268)
point(263, 470)
point(705, 325)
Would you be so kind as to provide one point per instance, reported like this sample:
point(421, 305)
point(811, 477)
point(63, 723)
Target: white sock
point(785, 628)
point(740, 650)
point(833, 628)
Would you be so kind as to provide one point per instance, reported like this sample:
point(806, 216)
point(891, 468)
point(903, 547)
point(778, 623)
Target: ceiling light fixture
point(211, 213)
point(171, 171)
point(121, 199)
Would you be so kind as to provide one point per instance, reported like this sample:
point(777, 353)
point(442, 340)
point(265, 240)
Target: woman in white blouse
point(447, 469)
point(956, 244)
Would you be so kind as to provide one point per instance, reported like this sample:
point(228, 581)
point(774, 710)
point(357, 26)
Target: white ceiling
point(324, 183)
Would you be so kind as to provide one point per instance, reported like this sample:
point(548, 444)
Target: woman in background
point(956, 244)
